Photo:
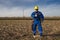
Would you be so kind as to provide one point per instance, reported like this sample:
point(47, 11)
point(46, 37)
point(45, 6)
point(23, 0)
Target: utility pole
point(23, 12)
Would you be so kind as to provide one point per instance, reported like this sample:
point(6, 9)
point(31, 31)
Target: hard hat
point(36, 7)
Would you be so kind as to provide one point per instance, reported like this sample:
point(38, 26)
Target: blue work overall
point(37, 22)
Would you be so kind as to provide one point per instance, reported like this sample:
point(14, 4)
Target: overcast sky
point(16, 8)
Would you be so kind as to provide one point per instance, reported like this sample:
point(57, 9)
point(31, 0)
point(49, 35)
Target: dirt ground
point(21, 30)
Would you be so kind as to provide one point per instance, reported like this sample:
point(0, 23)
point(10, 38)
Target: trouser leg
point(34, 29)
point(40, 29)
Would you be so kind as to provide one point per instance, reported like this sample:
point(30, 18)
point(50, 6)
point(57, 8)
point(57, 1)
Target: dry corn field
point(21, 30)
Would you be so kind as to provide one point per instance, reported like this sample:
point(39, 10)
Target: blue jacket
point(39, 17)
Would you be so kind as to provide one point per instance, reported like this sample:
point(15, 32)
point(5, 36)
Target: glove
point(35, 15)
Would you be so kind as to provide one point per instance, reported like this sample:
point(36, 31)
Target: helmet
point(36, 7)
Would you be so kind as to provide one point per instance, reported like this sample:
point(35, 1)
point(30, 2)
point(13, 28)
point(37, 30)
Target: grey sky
point(16, 8)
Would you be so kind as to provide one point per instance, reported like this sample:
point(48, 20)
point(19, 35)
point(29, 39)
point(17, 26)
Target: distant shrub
point(27, 18)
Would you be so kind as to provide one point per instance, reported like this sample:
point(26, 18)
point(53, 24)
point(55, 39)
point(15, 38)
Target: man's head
point(36, 8)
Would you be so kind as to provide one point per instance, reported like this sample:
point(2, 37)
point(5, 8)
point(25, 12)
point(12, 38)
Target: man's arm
point(33, 15)
point(41, 17)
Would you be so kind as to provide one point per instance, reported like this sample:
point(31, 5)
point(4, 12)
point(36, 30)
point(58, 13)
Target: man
point(38, 19)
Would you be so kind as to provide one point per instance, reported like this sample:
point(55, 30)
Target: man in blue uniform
point(38, 19)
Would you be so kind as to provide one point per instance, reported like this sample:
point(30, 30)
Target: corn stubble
point(21, 30)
